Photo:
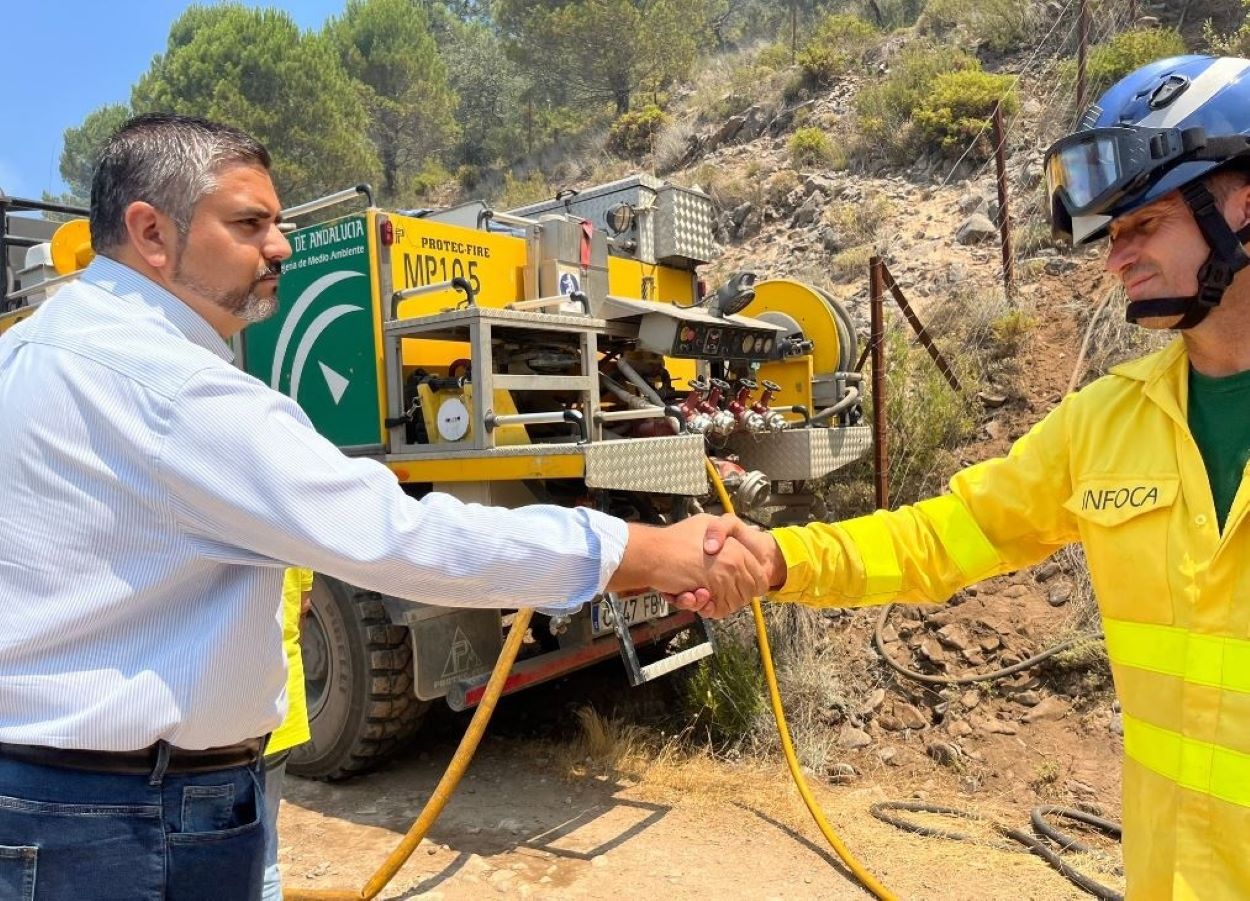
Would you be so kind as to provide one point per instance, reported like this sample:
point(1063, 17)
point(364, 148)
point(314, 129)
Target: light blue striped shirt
point(151, 494)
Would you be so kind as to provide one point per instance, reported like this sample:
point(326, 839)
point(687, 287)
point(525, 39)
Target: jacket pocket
point(18, 867)
point(1125, 525)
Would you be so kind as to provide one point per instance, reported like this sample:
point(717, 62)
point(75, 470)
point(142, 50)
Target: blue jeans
point(69, 834)
point(275, 776)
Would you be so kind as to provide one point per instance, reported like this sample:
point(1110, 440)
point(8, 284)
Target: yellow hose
point(446, 785)
point(866, 879)
point(477, 727)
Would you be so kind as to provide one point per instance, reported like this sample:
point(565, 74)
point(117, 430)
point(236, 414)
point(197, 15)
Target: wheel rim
point(318, 662)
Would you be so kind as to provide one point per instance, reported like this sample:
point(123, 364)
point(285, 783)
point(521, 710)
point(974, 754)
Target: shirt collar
point(118, 278)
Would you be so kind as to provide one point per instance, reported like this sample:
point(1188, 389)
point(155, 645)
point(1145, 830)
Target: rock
point(970, 203)
point(888, 634)
point(1059, 266)
point(932, 650)
point(994, 429)
point(990, 643)
point(954, 636)
point(852, 738)
point(944, 752)
point(991, 399)
point(994, 726)
point(740, 212)
point(828, 238)
point(970, 698)
point(1047, 571)
point(842, 773)
point(1028, 698)
point(976, 229)
point(974, 657)
point(890, 756)
point(1077, 787)
point(726, 133)
point(910, 717)
point(808, 212)
point(1047, 709)
point(890, 723)
point(1057, 597)
point(1116, 725)
point(1015, 591)
point(751, 225)
point(959, 728)
point(872, 702)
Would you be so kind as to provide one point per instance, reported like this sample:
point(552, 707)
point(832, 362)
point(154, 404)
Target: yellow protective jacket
point(1116, 468)
point(294, 729)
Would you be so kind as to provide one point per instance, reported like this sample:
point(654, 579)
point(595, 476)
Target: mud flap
point(451, 646)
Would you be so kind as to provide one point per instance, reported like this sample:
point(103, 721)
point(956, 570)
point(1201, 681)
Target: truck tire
point(358, 675)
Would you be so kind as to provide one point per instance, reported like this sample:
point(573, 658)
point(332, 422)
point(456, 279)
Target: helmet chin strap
point(1226, 259)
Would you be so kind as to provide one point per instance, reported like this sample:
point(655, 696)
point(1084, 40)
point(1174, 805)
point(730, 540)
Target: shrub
point(725, 694)
point(998, 25)
point(957, 111)
point(837, 47)
point(633, 134)
point(1235, 43)
point(884, 109)
point(775, 56)
point(809, 147)
point(1129, 50)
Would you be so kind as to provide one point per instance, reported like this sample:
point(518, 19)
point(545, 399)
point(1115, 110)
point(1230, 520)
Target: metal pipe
point(494, 421)
point(458, 283)
point(329, 200)
point(506, 218)
point(876, 345)
point(40, 286)
point(1004, 217)
point(638, 381)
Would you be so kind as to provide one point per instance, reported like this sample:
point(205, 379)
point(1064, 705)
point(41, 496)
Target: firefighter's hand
point(673, 560)
point(757, 541)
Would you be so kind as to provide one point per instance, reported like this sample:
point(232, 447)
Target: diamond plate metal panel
point(672, 465)
point(684, 226)
point(802, 453)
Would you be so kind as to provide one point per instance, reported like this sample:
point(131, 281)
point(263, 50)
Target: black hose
point(878, 643)
point(1030, 842)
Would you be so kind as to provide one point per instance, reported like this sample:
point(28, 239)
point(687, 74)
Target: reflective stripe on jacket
point(1116, 468)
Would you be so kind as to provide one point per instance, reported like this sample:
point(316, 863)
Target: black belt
point(140, 762)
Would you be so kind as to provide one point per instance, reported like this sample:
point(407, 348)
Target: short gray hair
point(167, 160)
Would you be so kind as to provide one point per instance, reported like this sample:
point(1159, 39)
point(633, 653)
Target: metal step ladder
point(639, 674)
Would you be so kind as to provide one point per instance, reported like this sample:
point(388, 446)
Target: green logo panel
point(319, 348)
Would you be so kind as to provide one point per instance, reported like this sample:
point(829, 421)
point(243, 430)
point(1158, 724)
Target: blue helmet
point(1162, 128)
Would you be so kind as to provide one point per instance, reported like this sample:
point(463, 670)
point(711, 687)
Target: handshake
point(712, 565)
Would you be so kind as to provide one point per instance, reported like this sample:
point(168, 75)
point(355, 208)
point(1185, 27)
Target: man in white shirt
point(153, 494)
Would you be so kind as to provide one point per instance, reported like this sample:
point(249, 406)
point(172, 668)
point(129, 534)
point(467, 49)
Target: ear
point(153, 235)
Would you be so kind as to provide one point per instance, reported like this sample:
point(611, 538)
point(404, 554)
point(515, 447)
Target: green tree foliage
point(387, 48)
point(255, 70)
point(490, 92)
point(588, 52)
point(82, 149)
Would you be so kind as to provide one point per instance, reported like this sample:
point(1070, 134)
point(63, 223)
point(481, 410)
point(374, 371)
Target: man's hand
point(675, 560)
point(724, 532)
point(757, 541)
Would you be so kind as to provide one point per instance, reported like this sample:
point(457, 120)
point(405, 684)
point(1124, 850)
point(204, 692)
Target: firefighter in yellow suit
point(1144, 467)
point(296, 585)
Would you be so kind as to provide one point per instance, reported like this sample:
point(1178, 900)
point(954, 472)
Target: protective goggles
point(1089, 171)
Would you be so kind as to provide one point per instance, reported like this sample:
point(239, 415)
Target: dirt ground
point(529, 820)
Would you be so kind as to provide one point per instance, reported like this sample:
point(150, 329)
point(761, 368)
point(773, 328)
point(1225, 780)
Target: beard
point(242, 303)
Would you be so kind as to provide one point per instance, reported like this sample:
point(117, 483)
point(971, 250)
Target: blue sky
point(63, 59)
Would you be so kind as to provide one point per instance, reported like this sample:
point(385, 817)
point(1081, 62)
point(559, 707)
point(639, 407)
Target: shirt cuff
point(613, 535)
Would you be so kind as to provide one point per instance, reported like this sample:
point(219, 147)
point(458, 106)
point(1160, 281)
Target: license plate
point(637, 608)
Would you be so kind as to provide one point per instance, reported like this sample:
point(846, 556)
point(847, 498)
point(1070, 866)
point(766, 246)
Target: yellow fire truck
point(566, 352)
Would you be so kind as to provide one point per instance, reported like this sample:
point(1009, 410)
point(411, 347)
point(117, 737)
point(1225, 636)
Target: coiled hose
point(1039, 814)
